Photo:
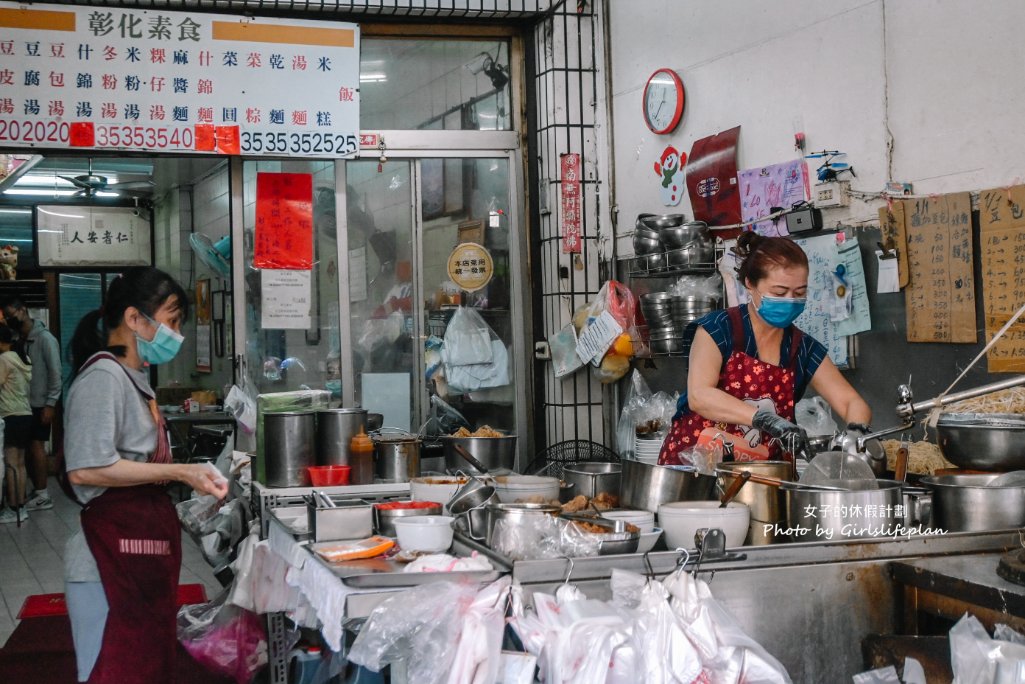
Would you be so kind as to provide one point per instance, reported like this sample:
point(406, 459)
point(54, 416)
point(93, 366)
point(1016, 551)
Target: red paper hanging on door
point(284, 221)
point(570, 201)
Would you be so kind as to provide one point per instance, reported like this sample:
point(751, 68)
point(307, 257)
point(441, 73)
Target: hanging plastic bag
point(637, 394)
point(977, 658)
point(467, 339)
point(225, 638)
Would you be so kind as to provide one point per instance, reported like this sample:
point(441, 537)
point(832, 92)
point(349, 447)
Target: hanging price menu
point(153, 80)
point(1002, 237)
point(940, 296)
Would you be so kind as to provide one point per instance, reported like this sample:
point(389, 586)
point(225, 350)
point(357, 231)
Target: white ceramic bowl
point(642, 519)
point(438, 489)
point(682, 519)
point(429, 533)
point(526, 489)
point(648, 539)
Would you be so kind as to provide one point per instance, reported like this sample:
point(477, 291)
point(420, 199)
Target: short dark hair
point(146, 289)
point(757, 254)
point(11, 302)
point(8, 336)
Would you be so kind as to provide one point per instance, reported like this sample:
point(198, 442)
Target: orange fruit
point(623, 345)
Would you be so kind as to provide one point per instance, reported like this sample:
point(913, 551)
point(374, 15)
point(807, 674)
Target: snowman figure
point(668, 168)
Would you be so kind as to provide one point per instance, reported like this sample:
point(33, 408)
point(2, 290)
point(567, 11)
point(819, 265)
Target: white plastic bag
point(813, 414)
point(977, 658)
point(467, 339)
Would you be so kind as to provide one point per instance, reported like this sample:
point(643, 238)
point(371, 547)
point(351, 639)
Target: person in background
point(121, 570)
point(44, 392)
point(15, 373)
point(750, 364)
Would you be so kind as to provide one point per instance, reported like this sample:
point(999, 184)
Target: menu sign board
point(940, 296)
point(108, 78)
point(1002, 239)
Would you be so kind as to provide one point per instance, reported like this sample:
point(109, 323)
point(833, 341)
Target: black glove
point(793, 437)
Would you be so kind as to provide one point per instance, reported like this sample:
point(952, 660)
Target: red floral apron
point(133, 533)
point(747, 378)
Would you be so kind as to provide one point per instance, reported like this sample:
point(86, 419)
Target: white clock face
point(661, 102)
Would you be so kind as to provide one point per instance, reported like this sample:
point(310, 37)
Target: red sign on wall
point(284, 221)
point(570, 201)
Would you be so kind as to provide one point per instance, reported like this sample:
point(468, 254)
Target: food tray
point(387, 573)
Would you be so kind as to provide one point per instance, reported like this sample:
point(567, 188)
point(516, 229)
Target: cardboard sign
point(284, 221)
point(1002, 240)
point(940, 297)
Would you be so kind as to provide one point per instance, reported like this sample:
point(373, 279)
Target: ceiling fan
point(90, 183)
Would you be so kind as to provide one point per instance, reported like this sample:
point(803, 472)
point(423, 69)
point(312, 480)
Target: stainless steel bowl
point(675, 237)
point(983, 441)
point(592, 479)
point(697, 253)
point(646, 245)
point(652, 262)
point(653, 222)
point(667, 346)
point(646, 487)
point(494, 453)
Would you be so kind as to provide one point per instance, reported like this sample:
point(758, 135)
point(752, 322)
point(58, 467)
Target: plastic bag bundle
point(473, 356)
point(699, 286)
point(542, 536)
point(225, 638)
point(444, 632)
point(978, 658)
point(813, 414)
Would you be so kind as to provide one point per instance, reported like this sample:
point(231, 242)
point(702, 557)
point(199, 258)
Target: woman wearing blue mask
point(121, 570)
point(749, 365)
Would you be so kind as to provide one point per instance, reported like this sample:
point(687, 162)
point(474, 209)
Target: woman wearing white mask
point(122, 570)
point(749, 365)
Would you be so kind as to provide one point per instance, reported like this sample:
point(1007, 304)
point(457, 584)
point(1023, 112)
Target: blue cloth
point(87, 611)
point(717, 324)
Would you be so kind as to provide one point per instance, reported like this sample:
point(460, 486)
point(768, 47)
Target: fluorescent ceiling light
point(55, 213)
point(373, 78)
point(38, 192)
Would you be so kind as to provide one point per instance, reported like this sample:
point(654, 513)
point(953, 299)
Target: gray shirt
point(106, 419)
point(45, 353)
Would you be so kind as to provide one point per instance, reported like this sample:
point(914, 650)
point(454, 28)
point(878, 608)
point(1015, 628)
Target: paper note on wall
point(284, 221)
point(1002, 239)
point(780, 185)
point(860, 320)
point(891, 224)
point(285, 300)
point(823, 259)
point(940, 297)
point(597, 337)
point(358, 274)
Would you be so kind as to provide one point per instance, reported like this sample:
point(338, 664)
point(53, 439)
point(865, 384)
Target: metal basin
point(983, 441)
point(963, 503)
point(646, 487)
point(592, 479)
point(833, 516)
point(654, 222)
point(768, 504)
point(494, 453)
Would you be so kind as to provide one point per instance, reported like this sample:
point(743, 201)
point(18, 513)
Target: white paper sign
point(597, 337)
point(203, 346)
point(889, 280)
point(285, 298)
point(132, 79)
point(80, 236)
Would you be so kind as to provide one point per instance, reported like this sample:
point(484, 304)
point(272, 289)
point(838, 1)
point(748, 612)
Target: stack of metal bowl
point(687, 309)
point(688, 245)
point(666, 340)
point(657, 309)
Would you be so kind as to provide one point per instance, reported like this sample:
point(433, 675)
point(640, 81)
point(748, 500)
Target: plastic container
point(303, 665)
point(329, 475)
point(385, 514)
point(682, 519)
point(361, 459)
point(428, 533)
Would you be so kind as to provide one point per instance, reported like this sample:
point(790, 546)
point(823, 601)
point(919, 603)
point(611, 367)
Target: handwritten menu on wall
point(1002, 238)
point(940, 296)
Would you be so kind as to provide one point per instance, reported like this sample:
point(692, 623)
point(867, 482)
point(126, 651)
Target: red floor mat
point(40, 651)
point(50, 605)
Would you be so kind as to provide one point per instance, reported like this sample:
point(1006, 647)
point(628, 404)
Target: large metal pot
point(646, 487)
point(592, 479)
point(768, 504)
point(335, 430)
point(822, 515)
point(288, 447)
point(962, 503)
point(983, 441)
point(515, 514)
point(397, 457)
point(494, 453)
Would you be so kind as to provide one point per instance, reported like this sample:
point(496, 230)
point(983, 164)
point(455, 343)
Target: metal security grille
point(405, 9)
point(566, 89)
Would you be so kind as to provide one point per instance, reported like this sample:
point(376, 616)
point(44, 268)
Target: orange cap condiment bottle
point(361, 458)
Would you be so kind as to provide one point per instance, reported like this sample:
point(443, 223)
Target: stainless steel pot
point(397, 457)
point(494, 453)
point(819, 515)
point(768, 504)
point(646, 487)
point(515, 514)
point(962, 503)
point(335, 430)
point(288, 447)
point(384, 520)
point(592, 479)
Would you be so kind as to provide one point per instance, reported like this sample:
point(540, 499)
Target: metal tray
point(386, 573)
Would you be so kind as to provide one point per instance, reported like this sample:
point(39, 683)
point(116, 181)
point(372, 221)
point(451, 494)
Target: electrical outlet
point(832, 194)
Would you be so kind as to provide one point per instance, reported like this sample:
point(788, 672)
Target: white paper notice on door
point(358, 274)
point(285, 299)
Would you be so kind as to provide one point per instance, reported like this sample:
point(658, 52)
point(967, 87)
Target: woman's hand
point(793, 437)
point(205, 479)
